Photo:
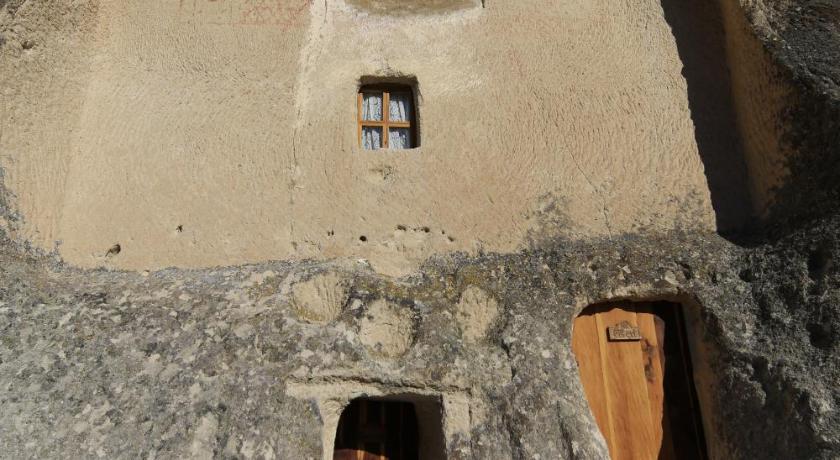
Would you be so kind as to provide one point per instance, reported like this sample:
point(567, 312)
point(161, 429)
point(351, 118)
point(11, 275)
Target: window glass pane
point(371, 137)
point(372, 106)
point(399, 108)
point(399, 138)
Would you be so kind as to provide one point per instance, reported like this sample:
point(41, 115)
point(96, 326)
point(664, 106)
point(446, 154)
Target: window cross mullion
point(386, 102)
point(373, 134)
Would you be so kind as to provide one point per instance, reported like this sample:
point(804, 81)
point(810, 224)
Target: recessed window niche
point(426, 422)
point(392, 428)
point(387, 115)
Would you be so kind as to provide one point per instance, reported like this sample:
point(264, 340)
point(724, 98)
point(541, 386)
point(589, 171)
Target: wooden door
point(377, 430)
point(638, 380)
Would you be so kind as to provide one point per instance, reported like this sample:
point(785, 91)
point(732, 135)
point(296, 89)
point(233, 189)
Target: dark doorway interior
point(682, 423)
point(377, 430)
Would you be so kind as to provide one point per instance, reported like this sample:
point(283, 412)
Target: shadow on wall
point(698, 29)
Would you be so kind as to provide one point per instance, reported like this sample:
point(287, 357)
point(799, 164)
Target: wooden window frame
point(386, 123)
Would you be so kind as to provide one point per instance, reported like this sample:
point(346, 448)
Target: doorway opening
point(636, 371)
point(379, 429)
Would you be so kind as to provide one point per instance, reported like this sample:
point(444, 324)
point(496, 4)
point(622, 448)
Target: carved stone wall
point(257, 361)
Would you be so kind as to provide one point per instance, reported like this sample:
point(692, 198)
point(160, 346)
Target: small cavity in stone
point(819, 262)
point(820, 335)
point(746, 275)
point(113, 250)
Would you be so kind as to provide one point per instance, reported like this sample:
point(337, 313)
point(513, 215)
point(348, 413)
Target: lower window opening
point(377, 430)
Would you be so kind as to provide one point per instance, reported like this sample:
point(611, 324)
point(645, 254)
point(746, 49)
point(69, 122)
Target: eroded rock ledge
point(226, 362)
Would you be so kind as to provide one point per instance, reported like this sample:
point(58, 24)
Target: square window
point(386, 118)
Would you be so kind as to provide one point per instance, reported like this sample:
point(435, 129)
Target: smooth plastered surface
point(201, 133)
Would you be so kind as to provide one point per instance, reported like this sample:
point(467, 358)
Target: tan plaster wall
point(44, 49)
point(761, 96)
point(402, 7)
point(538, 118)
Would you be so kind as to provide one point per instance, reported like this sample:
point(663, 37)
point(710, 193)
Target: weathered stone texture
point(176, 363)
point(255, 361)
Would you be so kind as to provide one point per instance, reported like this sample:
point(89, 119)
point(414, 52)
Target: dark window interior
point(377, 430)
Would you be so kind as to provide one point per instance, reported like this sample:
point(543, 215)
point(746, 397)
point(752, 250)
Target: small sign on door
point(623, 332)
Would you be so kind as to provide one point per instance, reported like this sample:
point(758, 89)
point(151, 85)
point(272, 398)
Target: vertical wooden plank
point(386, 104)
point(627, 391)
point(601, 337)
point(652, 329)
point(359, 118)
point(588, 352)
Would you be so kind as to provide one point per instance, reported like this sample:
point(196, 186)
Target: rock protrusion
point(386, 329)
point(321, 298)
point(476, 312)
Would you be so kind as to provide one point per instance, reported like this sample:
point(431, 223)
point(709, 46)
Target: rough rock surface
point(179, 363)
point(231, 362)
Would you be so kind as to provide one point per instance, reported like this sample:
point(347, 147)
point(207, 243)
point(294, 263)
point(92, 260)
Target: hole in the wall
point(363, 239)
point(688, 272)
point(113, 250)
point(819, 262)
point(400, 427)
point(821, 335)
point(746, 275)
